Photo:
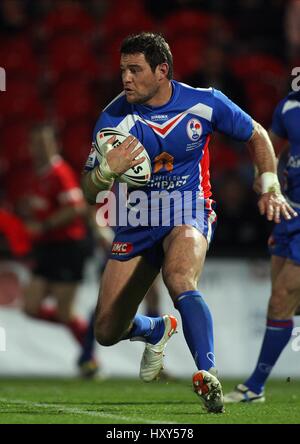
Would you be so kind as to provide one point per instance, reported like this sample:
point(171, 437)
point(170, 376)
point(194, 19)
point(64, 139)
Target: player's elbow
point(259, 132)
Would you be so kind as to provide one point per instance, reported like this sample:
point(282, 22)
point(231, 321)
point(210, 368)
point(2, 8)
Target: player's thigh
point(277, 264)
point(285, 296)
point(123, 286)
point(64, 293)
point(185, 250)
point(34, 293)
point(289, 277)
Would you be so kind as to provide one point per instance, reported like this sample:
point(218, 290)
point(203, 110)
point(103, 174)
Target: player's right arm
point(100, 177)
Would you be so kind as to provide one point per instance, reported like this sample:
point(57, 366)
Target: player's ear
point(163, 70)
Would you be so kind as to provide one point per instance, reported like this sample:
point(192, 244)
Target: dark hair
point(154, 47)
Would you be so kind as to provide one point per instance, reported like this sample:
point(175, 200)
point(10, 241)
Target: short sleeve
point(69, 191)
point(230, 119)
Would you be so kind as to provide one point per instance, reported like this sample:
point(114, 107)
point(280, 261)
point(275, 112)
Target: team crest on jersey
point(194, 129)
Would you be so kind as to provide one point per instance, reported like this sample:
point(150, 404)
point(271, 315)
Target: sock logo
point(296, 341)
point(211, 357)
point(265, 368)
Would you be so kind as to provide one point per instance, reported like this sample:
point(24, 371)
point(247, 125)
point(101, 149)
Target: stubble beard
point(142, 100)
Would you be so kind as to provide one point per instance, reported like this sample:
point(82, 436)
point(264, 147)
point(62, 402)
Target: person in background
point(56, 212)
point(284, 246)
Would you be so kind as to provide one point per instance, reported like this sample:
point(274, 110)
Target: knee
point(104, 334)
point(178, 282)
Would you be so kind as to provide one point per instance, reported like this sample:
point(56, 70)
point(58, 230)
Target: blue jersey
point(286, 124)
point(285, 239)
point(176, 135)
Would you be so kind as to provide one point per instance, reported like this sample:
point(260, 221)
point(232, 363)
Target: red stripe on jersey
point(204, 168)
point(163, 131)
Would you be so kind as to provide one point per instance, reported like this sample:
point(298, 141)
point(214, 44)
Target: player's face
point(140, 83)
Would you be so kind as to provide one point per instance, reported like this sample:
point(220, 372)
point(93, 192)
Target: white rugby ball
point(137, 176)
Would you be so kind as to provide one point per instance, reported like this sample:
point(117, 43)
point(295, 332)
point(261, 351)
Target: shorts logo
point(121, 248)
point(194, 129)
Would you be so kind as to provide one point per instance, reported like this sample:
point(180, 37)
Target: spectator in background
point(13, 16)
point(215, 73)
point(258, 24)
point(241, 228)
point(56, 210)
point(292, 29)
point(160, 10)
point(15, 247)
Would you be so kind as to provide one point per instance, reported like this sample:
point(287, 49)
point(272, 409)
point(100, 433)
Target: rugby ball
point(137, 176)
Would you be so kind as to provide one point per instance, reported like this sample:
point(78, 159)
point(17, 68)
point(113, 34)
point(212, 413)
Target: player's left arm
point(280, 144)
point(271, 202)
point(230, 119)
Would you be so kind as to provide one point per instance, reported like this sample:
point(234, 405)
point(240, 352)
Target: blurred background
point(62, 66)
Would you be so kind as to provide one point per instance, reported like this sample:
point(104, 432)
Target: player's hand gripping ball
point(138, 175)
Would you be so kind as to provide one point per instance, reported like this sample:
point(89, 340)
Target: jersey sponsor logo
point(157, 117)
point(165, 182)
point(121, 248)
point(194, 129)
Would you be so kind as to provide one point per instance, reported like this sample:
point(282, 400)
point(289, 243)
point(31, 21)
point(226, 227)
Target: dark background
point(62, 65)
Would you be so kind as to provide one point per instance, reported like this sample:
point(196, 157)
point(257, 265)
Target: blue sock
point(197, 328)
point(150, 329)
point(276, 337)
point(89, 342)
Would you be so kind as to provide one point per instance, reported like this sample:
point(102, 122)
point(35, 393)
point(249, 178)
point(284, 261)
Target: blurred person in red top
point(55, 220)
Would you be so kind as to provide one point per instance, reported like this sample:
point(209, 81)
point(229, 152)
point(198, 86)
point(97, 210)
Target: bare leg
point(64, 294)
point(124, 285)
point(152, 299)
point(185, 250)
point(34, 293)
point(285, 297)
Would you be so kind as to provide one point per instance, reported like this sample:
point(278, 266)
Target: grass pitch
point(128, 401)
